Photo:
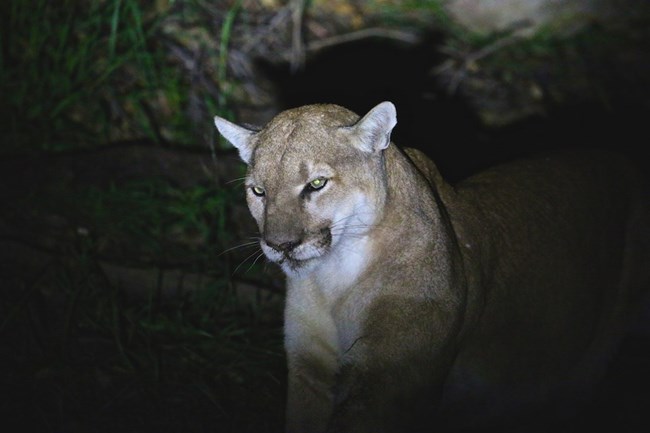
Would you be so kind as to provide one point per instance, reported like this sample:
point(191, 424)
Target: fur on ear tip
point(376, 126)
point(223, 125)
point(383, 115)
point(237, 135)
point(388, 109)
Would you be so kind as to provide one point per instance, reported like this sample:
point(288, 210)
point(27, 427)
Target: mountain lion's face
point(308, 186)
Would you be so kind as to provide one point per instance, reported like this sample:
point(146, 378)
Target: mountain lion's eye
point(316, 184)
point(258, 191)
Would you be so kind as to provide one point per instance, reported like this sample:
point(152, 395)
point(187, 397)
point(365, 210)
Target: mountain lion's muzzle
point(282, 246)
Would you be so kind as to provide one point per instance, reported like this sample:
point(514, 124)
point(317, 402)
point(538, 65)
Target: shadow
point(359, 75)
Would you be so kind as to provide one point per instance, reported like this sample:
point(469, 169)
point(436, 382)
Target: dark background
point(133, 297)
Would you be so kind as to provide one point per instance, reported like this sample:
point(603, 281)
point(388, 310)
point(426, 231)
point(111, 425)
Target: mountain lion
point(414, 304)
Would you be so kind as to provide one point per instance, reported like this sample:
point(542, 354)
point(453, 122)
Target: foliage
point(87, 353)
point(76, 74)
point(428, 13)
point(83, 349)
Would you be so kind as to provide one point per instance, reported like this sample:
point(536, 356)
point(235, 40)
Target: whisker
point(350, 234)
point(350, 225)
point(341, 230)
point(244, 245)
point(344, 219)
point(254, 261)
point(334, 223)
point(244, 261)
point(237, 179)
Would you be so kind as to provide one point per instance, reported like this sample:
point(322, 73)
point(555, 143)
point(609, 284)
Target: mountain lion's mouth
point(300, 253)
point(293, 263)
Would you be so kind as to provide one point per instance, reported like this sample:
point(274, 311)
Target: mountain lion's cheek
point(320, 208)
point(256, 206)
point(354, 216)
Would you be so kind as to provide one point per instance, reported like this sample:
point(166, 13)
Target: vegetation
point(122, 305)
point(77, 73)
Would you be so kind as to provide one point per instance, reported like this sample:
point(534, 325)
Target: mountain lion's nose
point(283, 247)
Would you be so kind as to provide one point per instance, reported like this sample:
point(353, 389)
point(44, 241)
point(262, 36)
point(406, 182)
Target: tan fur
point(411, 301)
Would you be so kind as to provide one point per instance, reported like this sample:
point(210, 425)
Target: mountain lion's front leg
point(391, 378)
point(312, 359)
point(309, 399)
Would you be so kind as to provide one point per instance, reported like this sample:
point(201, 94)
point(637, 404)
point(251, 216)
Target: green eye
point(316, 184)
point(258, 191)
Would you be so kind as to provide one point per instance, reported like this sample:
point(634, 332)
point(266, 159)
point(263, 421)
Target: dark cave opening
point(358, 75)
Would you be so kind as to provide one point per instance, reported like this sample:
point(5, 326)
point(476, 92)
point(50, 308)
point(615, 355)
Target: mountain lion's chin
point(303, 263)
point(293, 267)
point(295, 262)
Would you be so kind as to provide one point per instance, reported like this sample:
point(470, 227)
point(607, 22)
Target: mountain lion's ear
point(373, 130)
point(238, 136)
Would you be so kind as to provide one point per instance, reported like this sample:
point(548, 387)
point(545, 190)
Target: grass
point(85, 345)
point(76, 74)
point(78, 341)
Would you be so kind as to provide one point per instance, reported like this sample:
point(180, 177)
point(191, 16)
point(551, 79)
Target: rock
point(562, 17)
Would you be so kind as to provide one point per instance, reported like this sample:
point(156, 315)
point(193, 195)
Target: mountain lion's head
point(316, 178)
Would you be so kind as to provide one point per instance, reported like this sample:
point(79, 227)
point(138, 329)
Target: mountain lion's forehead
point(296, 133)
point(309, 119)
